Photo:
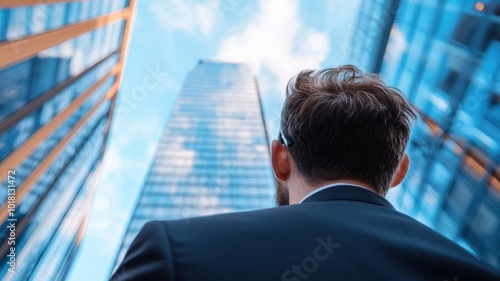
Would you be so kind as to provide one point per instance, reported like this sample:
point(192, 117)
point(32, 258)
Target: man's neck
point(299, 193)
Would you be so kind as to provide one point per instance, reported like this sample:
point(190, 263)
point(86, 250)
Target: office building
point(60, 68)
point(213, 156)
point(445, 57)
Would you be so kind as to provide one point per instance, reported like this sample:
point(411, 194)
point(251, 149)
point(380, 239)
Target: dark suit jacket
point(340, 233)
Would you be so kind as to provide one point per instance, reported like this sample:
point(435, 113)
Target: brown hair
point(342, 124)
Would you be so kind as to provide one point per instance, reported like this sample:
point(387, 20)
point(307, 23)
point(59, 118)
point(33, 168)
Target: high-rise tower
point(213, 156)
point(445, 56)
point(60, 67)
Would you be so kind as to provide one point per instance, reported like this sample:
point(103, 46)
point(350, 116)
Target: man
point(341, 147)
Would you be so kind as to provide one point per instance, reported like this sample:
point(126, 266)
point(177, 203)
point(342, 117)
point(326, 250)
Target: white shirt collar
point(331, 185)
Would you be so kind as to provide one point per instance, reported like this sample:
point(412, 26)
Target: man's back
point(340, 233)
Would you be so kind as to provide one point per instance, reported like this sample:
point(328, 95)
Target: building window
point(493, 112)
point(466, 30)
point(492, 35)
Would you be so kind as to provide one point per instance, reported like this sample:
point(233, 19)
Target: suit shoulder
point(230, 220)
point(152, 228)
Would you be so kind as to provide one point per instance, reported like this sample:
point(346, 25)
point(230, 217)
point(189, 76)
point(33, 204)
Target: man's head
point(338, 124)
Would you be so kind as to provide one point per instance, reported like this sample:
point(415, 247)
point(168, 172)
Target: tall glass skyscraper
point(60, 67)
point(445, 56)
point(213, 156)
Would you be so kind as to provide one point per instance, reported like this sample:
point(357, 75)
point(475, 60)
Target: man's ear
point(401, 173)
point(280, 161)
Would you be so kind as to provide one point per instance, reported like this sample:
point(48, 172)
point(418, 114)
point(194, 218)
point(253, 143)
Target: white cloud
point(186, 15)
point(276, 43)
point(106, 228)
point(206, 18)
point(342, 28)
point(131, 134)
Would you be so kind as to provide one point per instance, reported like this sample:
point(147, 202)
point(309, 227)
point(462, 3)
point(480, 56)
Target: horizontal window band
point(89, 200)
point(49, 159)
point(18, 3)
point(33, 105)
point(22, 223)
point(24, 48)
point(18, 155)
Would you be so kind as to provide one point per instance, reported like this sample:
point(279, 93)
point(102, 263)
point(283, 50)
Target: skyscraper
point(445, 56)
point(213, 156)
point(60, 67)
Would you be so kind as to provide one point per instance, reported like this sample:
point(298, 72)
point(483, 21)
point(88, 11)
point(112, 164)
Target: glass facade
point(213, 156)
point(19, 22)
point(445, 57)
point(55, 111)
point(371, 33)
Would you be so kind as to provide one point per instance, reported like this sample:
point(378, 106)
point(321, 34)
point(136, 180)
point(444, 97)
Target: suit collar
point(348, 192)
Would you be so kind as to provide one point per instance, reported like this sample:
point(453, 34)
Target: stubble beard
point(282, 196)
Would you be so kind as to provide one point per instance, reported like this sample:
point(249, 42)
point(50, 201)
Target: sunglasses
point(284, 140)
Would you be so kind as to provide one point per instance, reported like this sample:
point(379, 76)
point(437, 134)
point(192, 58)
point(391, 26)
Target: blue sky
point(277, 38)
